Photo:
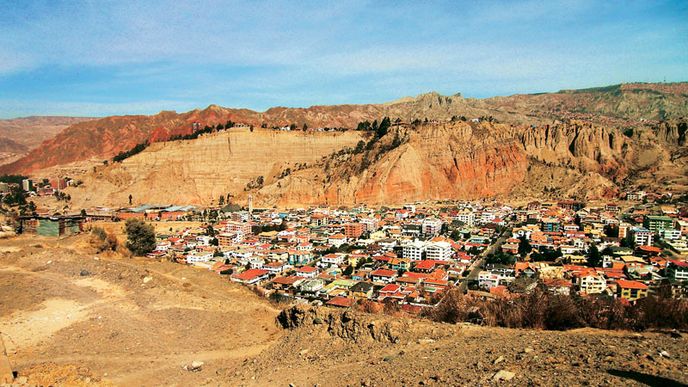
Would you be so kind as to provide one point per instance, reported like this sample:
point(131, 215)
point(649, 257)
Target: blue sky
point(97, 58)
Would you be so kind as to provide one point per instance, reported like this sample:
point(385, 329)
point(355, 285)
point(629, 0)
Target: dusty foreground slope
point(69, 319)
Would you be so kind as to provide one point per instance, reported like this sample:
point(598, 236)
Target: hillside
point(71, 317)
point(619, 105)
point(456, 160)
point(19, 135)
point(200, 171)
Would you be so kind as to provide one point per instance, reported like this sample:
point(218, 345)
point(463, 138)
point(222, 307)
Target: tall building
point(431, 226)
point(439, 251)
point(27, 185)
point(353, 230)
point(656, 223)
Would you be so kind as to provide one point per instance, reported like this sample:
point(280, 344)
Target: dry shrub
point(103, 241)
point(658, 313)
point(543, 310)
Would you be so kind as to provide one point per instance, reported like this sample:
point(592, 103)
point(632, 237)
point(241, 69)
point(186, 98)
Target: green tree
point(382, 129)
point(594, 257)
point(455, 235)
point(524, 247)
point(140, 237)
point(360, 147)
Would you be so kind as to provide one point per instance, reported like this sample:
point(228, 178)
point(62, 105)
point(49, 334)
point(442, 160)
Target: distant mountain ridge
point(20, 135)
point(616, 105)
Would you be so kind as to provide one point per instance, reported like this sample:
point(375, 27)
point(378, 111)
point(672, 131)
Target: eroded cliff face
point(578, 145)
point(459, 160)
point(620, 105)
point(200, 171)
point(449, 161)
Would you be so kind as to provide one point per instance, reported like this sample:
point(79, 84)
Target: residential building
point(631, 290)
point(414, 250)
point(550, 225)
point(677, 270)
point(656, 223)
point(591, 283)
point(353, 230)
point(337, 240)
point(251, 276)
point(369, 224)
point(641, 236)
point(431, 226)
point(439, 251)
point(241, 228)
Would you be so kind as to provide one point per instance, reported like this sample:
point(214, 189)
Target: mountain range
point(576, 143)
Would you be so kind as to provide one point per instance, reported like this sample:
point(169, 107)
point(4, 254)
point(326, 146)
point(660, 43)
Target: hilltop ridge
point(620, 104)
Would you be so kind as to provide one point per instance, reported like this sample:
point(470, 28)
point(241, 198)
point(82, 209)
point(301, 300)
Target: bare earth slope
point(452, 160)
point(335, 348)
point(200, 171)
point(69, 317)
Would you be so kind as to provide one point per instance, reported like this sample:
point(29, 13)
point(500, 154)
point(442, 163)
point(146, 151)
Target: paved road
point(477, 265)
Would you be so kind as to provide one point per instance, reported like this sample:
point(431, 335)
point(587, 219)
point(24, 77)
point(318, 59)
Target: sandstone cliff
point(459, 160)
point(200, 171)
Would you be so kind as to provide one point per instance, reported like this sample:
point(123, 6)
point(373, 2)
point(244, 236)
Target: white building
point(414, 250)
point(332, 259)
point(439, 251)
point(670, 234)
point(199, 256)
point(370, 224)
point(337, 240)
point(592, 283)
point(431, 226)
point(641, 236)
point(467, 218)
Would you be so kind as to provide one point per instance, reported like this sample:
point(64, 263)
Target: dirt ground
point(71, 317)
point(354, 349)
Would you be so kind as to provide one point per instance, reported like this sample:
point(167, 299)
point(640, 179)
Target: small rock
point(426, 341)
point(195, 366)
point(147, 279)
point(84, 273)
point(664, 354)
point(528, 350)
point(499, 360)
point(303, 351)
point(22, 380)
point(675, 334)
point(503, 375)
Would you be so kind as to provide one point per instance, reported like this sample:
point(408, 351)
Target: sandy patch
point(24, 329)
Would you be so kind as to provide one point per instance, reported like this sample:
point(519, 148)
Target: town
point(409, 256)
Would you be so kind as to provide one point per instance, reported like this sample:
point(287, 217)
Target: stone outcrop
point(345, 324)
